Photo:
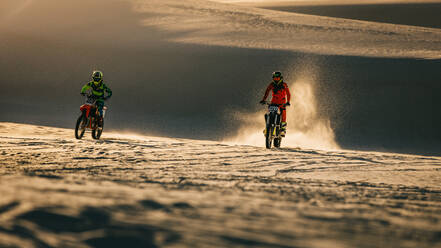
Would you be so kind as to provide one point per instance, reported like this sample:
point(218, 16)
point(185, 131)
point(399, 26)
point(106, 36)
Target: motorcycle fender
point(271, 118)
point(85, 109)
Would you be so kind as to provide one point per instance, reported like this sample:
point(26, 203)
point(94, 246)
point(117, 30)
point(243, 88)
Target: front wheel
point(80, 127)
point(96, 133)
point(277, 142)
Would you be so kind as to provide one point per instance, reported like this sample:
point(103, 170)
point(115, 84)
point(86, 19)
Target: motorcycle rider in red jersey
point(280, 95)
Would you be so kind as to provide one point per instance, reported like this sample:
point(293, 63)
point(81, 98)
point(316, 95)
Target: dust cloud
point(9, 9)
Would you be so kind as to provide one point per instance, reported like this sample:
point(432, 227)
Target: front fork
point(276, 123)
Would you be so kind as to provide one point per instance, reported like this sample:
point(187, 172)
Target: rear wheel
point(96, 133)
point(80, 127)
point(268, 137)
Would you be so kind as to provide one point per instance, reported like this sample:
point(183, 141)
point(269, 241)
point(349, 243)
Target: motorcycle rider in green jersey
point(98, 90)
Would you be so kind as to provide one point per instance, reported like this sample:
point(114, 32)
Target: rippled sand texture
point(137, 191)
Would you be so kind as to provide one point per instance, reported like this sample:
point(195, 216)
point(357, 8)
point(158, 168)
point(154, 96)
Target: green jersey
point(97, 90)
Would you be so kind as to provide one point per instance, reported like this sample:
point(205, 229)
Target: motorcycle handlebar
point(274, 104)
point(94, 97)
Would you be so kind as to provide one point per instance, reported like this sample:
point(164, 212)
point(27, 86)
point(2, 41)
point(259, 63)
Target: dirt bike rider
point(280, 95)
point(98, 88)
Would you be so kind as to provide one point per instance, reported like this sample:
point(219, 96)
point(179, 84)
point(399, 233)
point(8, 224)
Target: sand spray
point(306, 128)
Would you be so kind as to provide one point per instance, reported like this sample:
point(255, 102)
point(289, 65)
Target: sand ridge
point(220, 24)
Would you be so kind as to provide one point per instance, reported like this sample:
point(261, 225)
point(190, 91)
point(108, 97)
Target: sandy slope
point(142, 191)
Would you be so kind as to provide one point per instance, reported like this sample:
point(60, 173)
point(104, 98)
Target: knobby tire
point(79, 133)
point(96, 133)
point(277, 142)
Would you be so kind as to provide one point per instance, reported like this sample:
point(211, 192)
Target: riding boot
point(283, 129)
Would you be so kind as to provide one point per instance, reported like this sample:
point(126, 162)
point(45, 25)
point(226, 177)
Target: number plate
point(273, 108)
point(90, 100)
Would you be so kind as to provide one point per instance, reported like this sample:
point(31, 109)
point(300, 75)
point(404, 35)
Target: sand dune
point(212, 23)
point(202, 22)
point(138, 191)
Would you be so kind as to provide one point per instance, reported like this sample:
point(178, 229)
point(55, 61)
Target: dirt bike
point(273, 125)
point(90, 119)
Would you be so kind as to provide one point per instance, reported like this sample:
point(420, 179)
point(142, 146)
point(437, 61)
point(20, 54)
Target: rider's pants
point(100, 106)
point(283, 111)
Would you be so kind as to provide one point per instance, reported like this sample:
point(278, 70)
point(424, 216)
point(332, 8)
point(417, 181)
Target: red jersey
point(280, 91)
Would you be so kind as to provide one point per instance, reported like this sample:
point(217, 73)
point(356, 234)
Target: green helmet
point(97, 76)
point(277, 74)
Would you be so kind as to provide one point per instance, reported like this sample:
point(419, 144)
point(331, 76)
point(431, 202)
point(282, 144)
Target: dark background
point(415, 14)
